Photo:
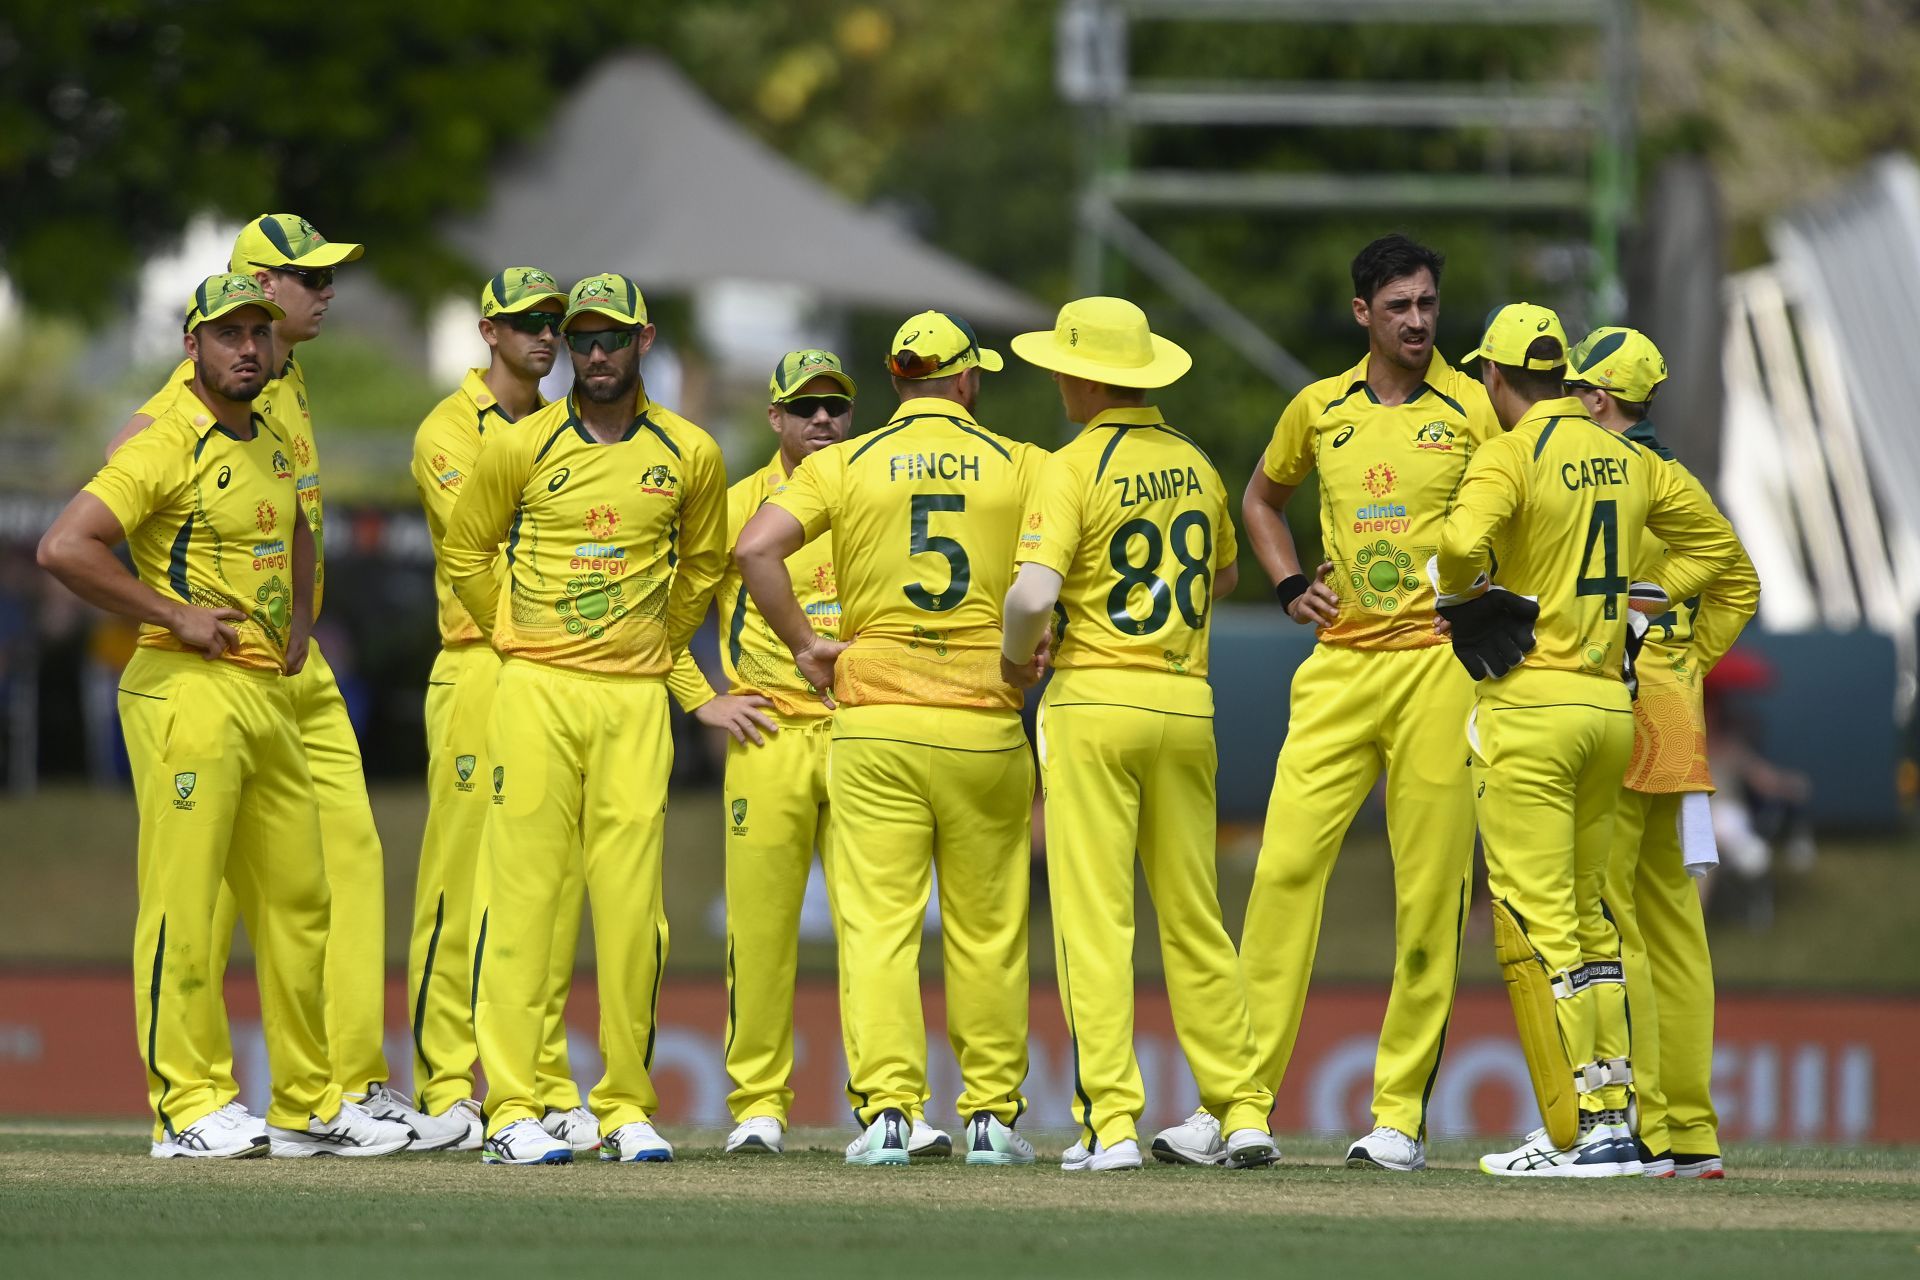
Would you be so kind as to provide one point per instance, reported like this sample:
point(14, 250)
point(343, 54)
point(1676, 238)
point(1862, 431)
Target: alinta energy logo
point(1379, 480)
point(265, 517)
point(601, 522)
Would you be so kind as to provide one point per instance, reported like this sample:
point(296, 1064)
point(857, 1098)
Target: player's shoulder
point(681, 434)
point(1324, 395)
point(454, 412)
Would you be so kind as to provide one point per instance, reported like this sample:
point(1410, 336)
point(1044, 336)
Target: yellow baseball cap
point(937, 344)
point(520, 289)
point(1512, 329)
point(1623, 361)
point(286, 240)
point(228, 291)
point(608, 294)
point(1107, 340)
point(797, 368)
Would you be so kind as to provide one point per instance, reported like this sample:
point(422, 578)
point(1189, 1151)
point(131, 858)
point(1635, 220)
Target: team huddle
point(1520, 594)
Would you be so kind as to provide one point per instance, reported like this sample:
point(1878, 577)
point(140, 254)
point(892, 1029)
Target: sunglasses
point(807, 406)
point(315, 278)
point(608, 340)
point(531, 323)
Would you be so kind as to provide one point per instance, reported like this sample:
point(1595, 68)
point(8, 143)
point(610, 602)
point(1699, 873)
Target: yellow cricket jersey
point(1387, 473)
point(208, 519)
point(755, 659)
point(444, 450)
point(612, 550)
point(1134, 518)
point(284, 400)
point(1560, 503)
point(1682, 645)
point(925, 513)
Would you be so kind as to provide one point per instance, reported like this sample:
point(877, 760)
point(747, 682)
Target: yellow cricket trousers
point(1353, 713)
point(1663, 944)
point(1549, 751)
point(224, 795)
point(356, 876)
point(440, 958)
point(1117, 779)
point(579, 762)
point(914, 788)
point(776, 814)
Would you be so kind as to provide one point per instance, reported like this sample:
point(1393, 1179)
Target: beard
point(233, 386)
point(623, 382)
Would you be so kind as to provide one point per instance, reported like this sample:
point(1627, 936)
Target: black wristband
point(1287, 590)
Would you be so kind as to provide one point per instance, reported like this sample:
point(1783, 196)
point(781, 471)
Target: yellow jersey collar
point(1558, 407)
point(474, 387)
point(931, 407)
point(1128, 416)
point(1438, 369)
point(641, 418)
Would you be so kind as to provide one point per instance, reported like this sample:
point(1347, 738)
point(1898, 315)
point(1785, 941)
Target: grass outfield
point(88, 1202)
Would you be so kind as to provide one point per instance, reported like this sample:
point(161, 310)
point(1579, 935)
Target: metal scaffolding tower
point(1593, 116)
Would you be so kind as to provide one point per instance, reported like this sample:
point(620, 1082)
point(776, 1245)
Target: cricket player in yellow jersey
point(1662, 829)
point(776, 789)
point(295, 265)
point(929, 765)
point(520, 313)
point(1130, 541)
point(223, 588)
point(1389, 440)
point(612, 509)
point(1558, 504)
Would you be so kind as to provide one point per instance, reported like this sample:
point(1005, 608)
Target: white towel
point(1698, 851)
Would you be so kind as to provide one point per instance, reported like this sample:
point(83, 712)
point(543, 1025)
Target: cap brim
point(608, 312)
point(1475, 354)
point(840, 379)
point(327, 255)
point(272, 308)
point(1170, 362)
point(531, 303)
point(990, 360)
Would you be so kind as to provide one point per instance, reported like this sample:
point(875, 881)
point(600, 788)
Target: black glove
point(1492, 632)
point(1637, 627)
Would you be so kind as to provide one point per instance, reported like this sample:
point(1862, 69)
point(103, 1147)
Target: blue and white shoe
point(636, 1142)
point(884, 1142)
point(991, 1142)
point(525, 1142)
point(578, 1128)
point(231, 1133)
point(924, 1142)
point(353, 1131)
point(1602, 1151)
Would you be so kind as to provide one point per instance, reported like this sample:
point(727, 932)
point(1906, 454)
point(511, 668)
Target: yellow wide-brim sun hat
point(1106, 340)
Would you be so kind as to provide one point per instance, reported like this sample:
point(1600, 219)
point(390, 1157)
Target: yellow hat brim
point(840, 378)
point(596, 309)
point(1170, 361)
point(327, 255)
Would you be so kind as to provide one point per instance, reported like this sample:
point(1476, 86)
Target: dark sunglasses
point(807, 406)
point(608, 340)
point(315, 278)
point(532, 323)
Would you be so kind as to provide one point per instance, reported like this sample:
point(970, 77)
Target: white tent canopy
point(643, 175)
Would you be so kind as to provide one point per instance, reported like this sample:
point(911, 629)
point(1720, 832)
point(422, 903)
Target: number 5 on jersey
point(923, 541)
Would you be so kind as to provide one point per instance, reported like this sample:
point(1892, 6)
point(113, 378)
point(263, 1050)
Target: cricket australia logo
point(740, 817)
point(658, 479)
point(183, 784)
point(1435, 435)
point(499, 781)
point(463, 770)
point(602, 521)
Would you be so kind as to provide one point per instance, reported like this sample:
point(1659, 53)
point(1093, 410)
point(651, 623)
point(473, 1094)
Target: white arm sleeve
point(1030, 603)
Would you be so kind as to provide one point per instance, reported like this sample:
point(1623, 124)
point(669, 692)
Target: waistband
point(1135, 687)
point(1546, 687)
point(512, 662)
point(177, 661)
point(952, 728)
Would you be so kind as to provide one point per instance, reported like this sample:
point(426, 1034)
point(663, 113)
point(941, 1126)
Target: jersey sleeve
point(1700, 543)
point(812, 492)
point(688, 683)
point(702, 542)
point(162, 400)
point(443, 456)
point(479, 523)
point(1050, 532)
point(1490, 492)
point(1226, 540)
point(1728, 602)
point(148, 473)
point(1289, 456)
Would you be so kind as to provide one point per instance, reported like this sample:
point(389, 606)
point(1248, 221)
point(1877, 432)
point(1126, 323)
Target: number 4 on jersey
point(1603, 527)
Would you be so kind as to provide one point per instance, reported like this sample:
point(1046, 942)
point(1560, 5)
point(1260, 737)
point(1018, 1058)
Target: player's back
point(1134, 517)
point(925, 513)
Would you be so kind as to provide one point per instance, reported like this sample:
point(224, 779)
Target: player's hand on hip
point(816, 664)
point(205, 631)
point(740, 715)
point(296, 657)
point(1317, 604)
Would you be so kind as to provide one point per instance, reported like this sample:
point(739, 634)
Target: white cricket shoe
point(636, 1142)
point(218, 1135)
point(577, 1127)
point(1251, 1149)
point(991, 1142)
point(525, 1142)
point(353, 1131)
point(1601, 1151)
point(467, 1111)
point(1387, 1148)
point(925, 1141)
point(1195, 1140)
point(756, 1135)
point(1122, 1155)
point(884, 1142)
point(430, 1133)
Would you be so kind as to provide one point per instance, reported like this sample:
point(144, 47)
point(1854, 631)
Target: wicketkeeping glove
point(1492, 631)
